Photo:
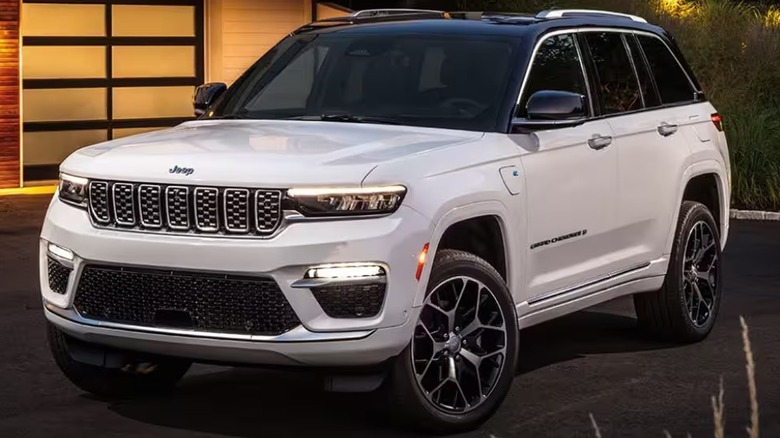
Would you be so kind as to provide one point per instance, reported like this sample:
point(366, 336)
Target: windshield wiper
point(234, 116)
point(351, 118)
point(348, 118)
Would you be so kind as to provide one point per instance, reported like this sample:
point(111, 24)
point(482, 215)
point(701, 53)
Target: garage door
point(97, 70)
point(240, 31)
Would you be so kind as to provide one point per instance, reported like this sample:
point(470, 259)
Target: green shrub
point(734, 49)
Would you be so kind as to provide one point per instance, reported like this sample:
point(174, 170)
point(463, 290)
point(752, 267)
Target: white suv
point(388, 198)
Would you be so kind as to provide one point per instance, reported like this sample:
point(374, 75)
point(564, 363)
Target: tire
point(676, 313)
point(407, 398)
point(132, 377)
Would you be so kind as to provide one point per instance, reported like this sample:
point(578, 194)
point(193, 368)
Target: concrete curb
point(753, 215)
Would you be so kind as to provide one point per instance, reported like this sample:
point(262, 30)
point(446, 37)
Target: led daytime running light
point(320, 191)
point(61, 252)
point(345, 271)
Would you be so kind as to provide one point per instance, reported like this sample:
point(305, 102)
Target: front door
point(571, 177)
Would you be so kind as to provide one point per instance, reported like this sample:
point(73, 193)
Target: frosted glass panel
point(49, 62)
point(44, 19)
point(152, 102)
point(126, 132)
point(54, 147)
point(153, 61)
point(143, 20)
point(64, 104)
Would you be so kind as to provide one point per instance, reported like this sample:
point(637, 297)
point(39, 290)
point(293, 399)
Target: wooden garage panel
point(243, 30)
point(9, 93)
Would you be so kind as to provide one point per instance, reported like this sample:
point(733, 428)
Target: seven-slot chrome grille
point(185, 209)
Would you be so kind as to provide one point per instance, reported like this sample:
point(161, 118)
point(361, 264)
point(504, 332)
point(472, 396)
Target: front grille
point(185, 209)
point(150, 205)
point(186, 300)
point(58, 276)
point(350, 300)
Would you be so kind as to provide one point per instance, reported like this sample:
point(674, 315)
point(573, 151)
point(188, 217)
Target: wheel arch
point(704, 182)
point(487, 218)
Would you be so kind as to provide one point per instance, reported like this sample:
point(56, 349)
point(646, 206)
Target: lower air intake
point(58, 276)
point(351, 300)
point(185, 300)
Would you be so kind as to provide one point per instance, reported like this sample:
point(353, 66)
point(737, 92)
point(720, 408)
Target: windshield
point(441, 81)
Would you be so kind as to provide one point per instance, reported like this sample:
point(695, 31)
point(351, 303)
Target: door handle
point(599, 142)
point(666, 129)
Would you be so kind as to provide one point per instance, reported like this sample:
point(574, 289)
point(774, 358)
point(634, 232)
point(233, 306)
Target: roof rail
point(559, 13)
point(367, 13)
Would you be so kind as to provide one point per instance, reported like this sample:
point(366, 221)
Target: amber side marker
point(39, 190)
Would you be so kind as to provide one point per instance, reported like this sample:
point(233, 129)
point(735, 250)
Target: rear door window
point(672, 82)
point(645, 80)
point(617, 82)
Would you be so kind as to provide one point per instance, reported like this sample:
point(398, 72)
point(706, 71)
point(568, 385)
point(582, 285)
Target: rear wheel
point(113, 373)
point(685, 308)
point(459, 366)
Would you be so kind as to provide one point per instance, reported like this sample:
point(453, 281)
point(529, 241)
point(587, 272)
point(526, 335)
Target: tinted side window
point(556, 67)
point(673, 84)
point(645, 82)
point(617, 82)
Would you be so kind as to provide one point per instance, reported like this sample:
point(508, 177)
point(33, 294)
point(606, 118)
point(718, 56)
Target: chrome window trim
point(195, 209)
point(159, 206)
point(186, 206)
point(89, 196)
point(132, 203)
point(248, 209)
point(574, 30)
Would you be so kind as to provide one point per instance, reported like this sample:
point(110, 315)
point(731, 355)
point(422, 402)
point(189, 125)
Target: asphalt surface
point(591, 362)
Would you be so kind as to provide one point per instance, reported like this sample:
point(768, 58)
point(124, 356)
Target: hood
point(259, 153)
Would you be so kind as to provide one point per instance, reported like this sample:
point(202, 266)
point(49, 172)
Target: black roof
point(476, 23)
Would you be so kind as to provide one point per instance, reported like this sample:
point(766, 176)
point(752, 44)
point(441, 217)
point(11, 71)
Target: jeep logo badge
point(186, 171)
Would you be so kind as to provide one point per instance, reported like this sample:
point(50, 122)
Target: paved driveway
point(591, 362)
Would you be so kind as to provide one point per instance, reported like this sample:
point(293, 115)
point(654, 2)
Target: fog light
point(61, 252)
point(345, 271)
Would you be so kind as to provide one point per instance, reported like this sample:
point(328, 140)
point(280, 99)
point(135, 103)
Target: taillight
point(717, 120)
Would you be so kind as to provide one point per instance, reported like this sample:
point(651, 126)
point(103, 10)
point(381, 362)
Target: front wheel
point(459, 366)
point(685, 308)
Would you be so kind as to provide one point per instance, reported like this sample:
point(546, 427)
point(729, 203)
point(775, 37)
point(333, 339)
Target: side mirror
point(205, 95)
point(551, 109)
point(555, 105)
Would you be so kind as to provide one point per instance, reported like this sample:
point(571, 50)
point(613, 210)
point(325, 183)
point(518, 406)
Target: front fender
point(511, 234)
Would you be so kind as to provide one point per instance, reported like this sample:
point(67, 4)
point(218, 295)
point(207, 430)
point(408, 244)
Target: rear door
point(654, 147)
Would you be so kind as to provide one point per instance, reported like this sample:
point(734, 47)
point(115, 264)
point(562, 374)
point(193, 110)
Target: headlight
point(347, 201)
point(73, 189)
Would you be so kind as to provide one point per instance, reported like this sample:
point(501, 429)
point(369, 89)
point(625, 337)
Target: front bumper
point(393, 241)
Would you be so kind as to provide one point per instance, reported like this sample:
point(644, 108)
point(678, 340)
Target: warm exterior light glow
point(772, 18)
point(421, 261)
point(677, 8)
